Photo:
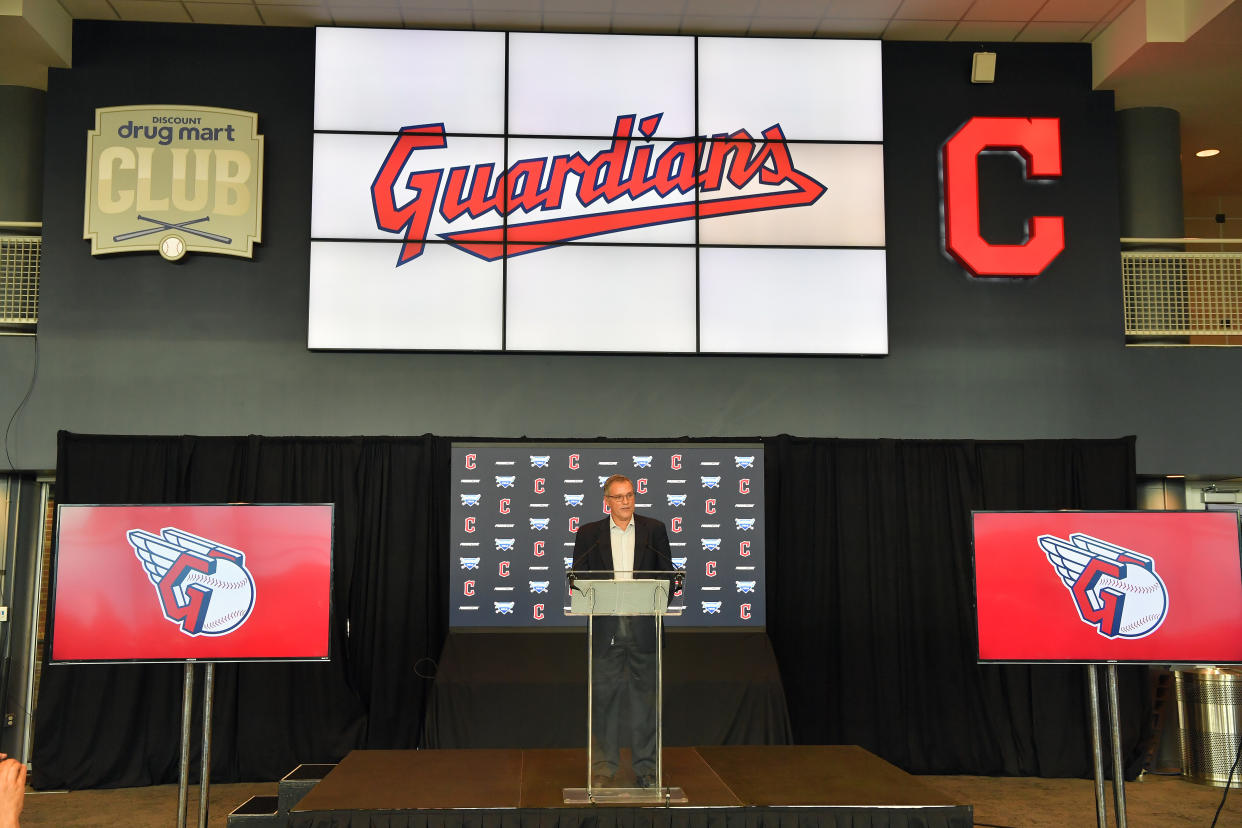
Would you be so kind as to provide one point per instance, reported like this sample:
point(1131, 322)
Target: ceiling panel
point(919, 29)
point(439, 18)
point(378, 16)
point(300, 15)
point(231, 14)
point(933, 9)
point(153, 11)
point(646, 23)
point(714, 24)
point(863, 9)
point(712, 8)
point(986, 31)
point(518, 20)
point(782, 26)
point(1003, 9)
point(854, 27)
point(1040, 31)
point(1080, 9)
point(793, 8)
point(89, 9)
point(578, 22)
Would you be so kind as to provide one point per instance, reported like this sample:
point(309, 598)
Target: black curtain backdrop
point(871, 601)
point(111, 726)
point(870, 605)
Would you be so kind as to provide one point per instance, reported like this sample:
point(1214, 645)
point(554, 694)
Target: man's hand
point(12, 791)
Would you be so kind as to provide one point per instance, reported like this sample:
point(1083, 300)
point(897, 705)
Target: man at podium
point(624, 680)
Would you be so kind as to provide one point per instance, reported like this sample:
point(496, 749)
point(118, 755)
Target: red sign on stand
point(203, 583)
point(1095, 587)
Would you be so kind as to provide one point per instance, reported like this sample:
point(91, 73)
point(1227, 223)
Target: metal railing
point(20, 256)
point(1178, 297)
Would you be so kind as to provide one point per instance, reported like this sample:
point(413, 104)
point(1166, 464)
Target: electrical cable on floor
point(990, 825)
point(33, 376)
point(1228, 782)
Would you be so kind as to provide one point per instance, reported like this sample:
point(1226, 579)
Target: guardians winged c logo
point(612, 180)
point(1115, 590)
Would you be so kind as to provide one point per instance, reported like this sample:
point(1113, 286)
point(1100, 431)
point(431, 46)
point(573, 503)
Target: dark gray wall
point(215, 345)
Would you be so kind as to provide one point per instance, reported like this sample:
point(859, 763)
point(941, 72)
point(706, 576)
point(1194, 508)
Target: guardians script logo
point(1115, 590)
point(202, 586)
point(527, 197)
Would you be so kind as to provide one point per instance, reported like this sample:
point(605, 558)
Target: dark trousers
point(624, 697)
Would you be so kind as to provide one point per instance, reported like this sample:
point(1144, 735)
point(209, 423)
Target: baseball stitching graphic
point(1116, 590)
point(203, 586)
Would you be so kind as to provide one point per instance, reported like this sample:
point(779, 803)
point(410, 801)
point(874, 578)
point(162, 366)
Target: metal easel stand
point(1097, 751)
point(187, 704)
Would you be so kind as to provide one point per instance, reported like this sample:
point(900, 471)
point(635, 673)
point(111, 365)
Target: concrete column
point(1150, 181)
point(21, 153)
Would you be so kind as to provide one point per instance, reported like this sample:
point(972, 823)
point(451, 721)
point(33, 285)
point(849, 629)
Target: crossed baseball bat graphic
point(163, 225)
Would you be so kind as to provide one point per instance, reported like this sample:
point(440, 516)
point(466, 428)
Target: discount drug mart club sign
point(174, 179)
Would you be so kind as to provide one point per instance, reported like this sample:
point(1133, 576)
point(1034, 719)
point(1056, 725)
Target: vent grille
point(19, 281)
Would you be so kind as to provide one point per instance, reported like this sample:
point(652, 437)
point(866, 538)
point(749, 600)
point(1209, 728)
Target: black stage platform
point(767, 786)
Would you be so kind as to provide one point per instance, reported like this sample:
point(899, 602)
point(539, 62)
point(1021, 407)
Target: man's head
point(619, 492)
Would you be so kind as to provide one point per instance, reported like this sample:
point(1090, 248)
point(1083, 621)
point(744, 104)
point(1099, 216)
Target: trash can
point(1209, 715)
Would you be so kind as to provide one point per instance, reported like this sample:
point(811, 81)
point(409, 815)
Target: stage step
point(297, 784)
point(257, 812)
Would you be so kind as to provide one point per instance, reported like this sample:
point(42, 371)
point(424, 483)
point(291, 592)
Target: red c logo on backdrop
point(1038, 142)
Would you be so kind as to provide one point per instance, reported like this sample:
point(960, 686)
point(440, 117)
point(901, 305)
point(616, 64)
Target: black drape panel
point(870, 600)
point(103, 725)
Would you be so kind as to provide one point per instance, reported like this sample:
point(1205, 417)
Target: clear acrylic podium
point(625, 666)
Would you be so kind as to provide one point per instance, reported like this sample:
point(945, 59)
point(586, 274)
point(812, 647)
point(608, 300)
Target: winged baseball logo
point(203, 586)
point(1116, 590)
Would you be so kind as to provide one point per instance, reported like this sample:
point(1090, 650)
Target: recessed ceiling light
point(1207, 153)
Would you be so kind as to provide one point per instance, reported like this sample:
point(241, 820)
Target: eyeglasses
point(622, 496)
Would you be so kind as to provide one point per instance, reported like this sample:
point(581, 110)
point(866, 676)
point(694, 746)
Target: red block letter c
point(1038, 141)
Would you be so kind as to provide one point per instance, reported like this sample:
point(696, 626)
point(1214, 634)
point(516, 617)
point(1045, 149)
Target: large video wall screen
point(516, 509)
point(491, 191)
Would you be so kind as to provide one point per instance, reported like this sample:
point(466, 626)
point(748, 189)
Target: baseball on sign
point(1115, 589)
point(202, 585)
